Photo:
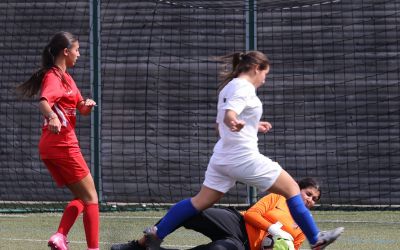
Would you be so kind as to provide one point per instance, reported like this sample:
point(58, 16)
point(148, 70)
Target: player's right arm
point(54, 124)
point(216, 129)
point(231, 120)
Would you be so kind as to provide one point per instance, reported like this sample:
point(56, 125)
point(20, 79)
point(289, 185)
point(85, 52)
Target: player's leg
point(285, 185)
point(179, 213)
point(223, 244)
point(200, 222)
point(218, 223)
point(216, 183)
point(62, 171)
point(86, 191)
point(71, 213)
point(213, 188)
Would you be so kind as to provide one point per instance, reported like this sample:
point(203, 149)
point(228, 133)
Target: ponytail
point(48, 58)
point(58, 42)
point(32, 86)
point(240, 62)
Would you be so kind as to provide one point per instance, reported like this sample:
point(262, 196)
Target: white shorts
point(255, 170)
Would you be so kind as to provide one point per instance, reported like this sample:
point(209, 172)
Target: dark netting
point(332, 95)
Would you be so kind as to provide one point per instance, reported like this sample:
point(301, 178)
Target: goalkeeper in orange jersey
point(272, 213)
point(229, 229)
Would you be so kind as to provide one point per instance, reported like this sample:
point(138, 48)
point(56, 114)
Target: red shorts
point(67, 170)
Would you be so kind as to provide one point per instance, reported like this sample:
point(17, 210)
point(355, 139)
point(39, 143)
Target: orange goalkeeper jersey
point(264, 213)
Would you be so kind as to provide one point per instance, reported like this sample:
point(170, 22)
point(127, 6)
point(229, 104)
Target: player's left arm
point(256, 215)
point(86, 106)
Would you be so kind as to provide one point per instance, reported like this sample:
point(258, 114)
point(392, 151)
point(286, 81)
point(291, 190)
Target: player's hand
point(232, 122)
point(264, 127)
point(54, 125)
point(280, 243)
point(86, 106)
point(89, 103)
point(236, 125)
point(276, 231)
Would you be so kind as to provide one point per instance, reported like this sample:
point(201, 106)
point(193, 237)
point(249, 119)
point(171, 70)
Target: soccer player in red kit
point(58, 147)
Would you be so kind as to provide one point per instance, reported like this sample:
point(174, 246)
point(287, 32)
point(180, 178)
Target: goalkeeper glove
point(276, 232)
point(283, 244)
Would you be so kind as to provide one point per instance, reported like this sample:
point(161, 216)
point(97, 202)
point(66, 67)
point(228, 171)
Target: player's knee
point(90, 198)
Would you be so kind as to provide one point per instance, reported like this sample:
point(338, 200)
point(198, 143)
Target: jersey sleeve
point(79, 96)
point(238, 100)
point(299, 240)
point(257, 214)
point(52, 89)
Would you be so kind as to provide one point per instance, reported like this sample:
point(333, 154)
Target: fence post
point(95, 84)
point(251, 44)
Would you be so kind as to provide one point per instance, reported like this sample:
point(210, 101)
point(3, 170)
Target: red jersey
point(268, 211)
point(63, 99)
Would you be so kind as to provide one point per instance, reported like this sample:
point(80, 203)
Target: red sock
point(91, 222)
point(71, 213)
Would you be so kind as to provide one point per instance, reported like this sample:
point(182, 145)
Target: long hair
point(240, 62)
point(57, 43)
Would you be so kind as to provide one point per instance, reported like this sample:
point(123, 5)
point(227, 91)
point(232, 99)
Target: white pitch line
point(13, 216)
point(30, 240)
point(358, 221)
point(159, 217)
point(130, 217)
point(101, 216)
point(84, 242)
point(34, 240)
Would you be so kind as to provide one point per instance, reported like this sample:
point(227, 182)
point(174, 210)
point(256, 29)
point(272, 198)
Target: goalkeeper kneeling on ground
point(268, 224)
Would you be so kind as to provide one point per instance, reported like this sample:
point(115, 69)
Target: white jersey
point(236, 156)
point(239, 95)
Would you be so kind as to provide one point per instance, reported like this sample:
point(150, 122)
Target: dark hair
point(240, 62)
point(57, 43)
point(310, 182)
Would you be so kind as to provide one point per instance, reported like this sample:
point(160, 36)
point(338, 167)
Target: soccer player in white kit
point(236, 156)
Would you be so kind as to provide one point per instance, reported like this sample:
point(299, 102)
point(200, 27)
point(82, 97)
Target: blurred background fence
point(332, 95)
